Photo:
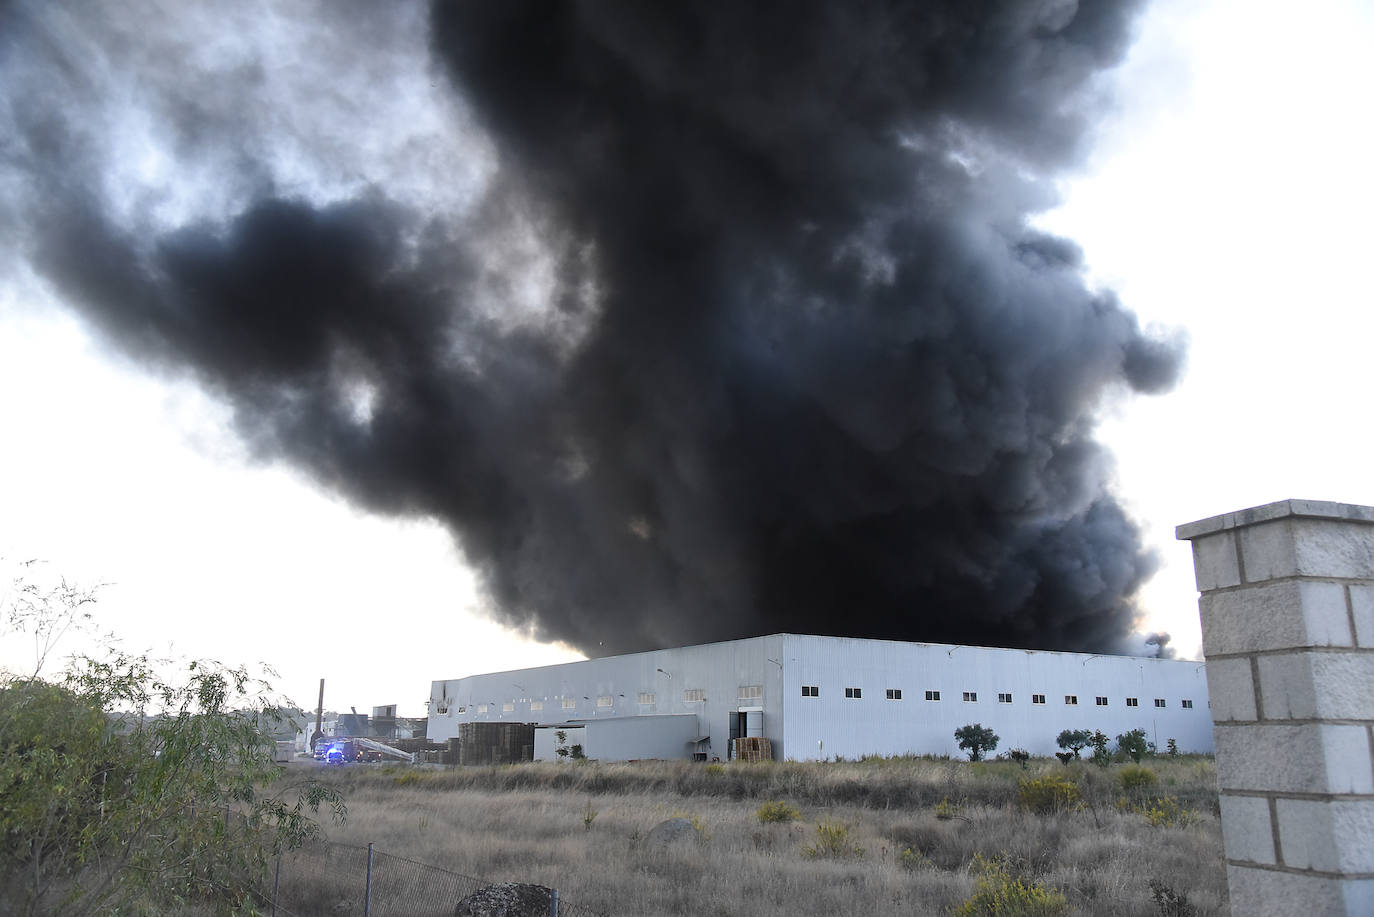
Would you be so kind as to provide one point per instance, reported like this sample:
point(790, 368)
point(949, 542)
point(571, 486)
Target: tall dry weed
point(526, 823)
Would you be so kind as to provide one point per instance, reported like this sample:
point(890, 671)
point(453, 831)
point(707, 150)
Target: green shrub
point(912, 860)
point(589, 816)
point(1133, 745)
point(1168, 812)
point(1020, 756)
point(833, 842)
point(945, 810)
point(172, 777)
point(1102, 757)
point(1002, 893)
point(1160, 811)
point(715, 770)
point(977, 740)
point(777, 810)
point(1133, 777)
point(1047, 795)
point(1073, 740)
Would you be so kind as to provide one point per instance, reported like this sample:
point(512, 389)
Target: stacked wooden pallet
point(753, 748)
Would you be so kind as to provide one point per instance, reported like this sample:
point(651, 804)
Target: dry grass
point(529, 823)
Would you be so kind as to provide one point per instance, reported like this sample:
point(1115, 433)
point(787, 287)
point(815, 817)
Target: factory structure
point(791, 696)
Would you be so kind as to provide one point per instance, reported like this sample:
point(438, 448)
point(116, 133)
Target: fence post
point(276, 884)
point(367, 899)
point(553, 902)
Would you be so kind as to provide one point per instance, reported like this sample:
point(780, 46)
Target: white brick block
point(1214, 561)
point(1274, 616)
point(1362, 603)
point(1268, 550)
point(1324, 615)
point(1323, 547)
point(1305, 685)
point(1310, 758)
point(1349, 764)
point(1257, 892)
point(1231, 690)
point(1246, 830)
point(1327, 836)
point(1359, 896)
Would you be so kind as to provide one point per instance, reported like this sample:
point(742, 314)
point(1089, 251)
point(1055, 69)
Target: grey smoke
point(1160, 641)
point(690, 322)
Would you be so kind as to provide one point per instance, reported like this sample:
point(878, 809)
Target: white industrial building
point(822, 697)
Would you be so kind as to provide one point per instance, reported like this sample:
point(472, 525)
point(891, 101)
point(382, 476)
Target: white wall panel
point(832, 724)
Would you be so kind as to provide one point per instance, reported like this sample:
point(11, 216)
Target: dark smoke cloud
point(799, 362)
point(1159, 645)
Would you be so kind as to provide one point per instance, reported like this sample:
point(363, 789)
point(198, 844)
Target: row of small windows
point(755, 693)
point(971, 697)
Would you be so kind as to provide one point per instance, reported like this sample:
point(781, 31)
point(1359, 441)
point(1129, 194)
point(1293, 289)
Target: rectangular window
point(1071, 700)
point(694, 695)
point(854, 692)
point(1132, 702)
point(751, 692)
point(508, 707)
point(1003, 698)
point(894, 693)
point(1037, 698)
point(647, 698)
point(441, 709)
point(605, 700)
point(481, 708)
point(569, 703)
point(463, 709)
point(932, 695)
point(1101, 701)
point(1159, 702)
point(970, 697)
point(1188, 704)
point(811, 690)
point(536, 705)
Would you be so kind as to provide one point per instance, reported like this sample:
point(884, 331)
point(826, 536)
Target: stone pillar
point(1287, 603)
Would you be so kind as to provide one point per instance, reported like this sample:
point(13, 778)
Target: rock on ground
point(672, 831)
point(508, 899)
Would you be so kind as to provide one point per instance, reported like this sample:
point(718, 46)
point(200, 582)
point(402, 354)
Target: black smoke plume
point(801, 363)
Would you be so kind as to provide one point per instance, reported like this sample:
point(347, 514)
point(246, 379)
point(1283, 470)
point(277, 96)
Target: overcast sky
point(1228, 196)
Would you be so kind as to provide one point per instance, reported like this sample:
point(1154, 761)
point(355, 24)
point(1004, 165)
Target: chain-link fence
point(343, 879)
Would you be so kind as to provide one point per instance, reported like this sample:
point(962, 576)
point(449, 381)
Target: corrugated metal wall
point(720, 683)
point(873, 722)
point(703, 681)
